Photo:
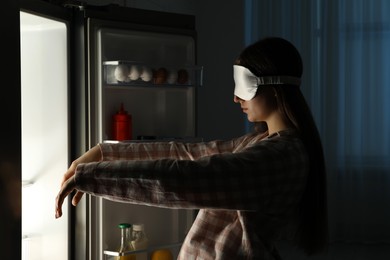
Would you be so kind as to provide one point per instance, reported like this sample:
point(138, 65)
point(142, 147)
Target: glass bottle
point(125, 242)
point(140, 241)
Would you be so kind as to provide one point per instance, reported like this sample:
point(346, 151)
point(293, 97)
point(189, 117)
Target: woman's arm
point(173, 150)
point(143, 152)
point(250, 180)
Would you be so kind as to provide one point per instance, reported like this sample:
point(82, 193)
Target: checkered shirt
point(247, 189)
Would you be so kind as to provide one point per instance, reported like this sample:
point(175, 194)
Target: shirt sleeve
point(270, 172)
point(172, 150)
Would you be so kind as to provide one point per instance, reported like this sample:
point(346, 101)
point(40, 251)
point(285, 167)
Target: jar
point(140, 241)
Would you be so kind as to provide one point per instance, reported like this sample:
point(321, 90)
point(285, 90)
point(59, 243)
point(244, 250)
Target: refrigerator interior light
point(44, 109)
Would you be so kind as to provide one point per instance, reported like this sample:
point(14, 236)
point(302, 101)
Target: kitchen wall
point(220, 28)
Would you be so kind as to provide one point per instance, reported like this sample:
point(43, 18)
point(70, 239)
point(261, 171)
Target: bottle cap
point(124, 225)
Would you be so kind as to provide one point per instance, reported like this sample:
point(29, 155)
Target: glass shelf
point(113, 253)
point(129, 73)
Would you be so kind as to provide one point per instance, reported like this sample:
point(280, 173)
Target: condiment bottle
point(125, 245)
point(140, 241)
point(122, 125)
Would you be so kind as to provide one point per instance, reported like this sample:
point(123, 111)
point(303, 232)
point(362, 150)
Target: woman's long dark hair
point(276, 56)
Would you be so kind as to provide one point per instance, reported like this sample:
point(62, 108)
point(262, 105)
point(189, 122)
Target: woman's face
point(257, 109)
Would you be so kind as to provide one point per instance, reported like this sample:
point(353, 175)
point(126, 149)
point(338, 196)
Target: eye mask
point(246, 83)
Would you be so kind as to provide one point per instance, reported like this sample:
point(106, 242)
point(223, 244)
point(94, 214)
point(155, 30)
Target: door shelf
point(130, 73)
point(150, 250)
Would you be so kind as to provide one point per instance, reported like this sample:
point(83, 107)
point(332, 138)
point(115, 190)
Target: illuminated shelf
point(128, 73)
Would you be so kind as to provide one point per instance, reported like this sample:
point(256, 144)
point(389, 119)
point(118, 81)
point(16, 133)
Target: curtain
point(345, 46)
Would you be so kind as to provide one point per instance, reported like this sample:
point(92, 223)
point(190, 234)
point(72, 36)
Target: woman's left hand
point(68, 182)
point(66, 188)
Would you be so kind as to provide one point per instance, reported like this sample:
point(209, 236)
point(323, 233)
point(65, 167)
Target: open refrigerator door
point(45, 134)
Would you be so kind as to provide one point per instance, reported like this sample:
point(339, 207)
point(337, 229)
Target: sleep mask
point(246, 83)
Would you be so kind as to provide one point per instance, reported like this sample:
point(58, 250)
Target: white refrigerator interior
point(44, 94)
point(161, 111)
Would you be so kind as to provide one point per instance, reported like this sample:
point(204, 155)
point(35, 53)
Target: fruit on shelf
point(162, 254)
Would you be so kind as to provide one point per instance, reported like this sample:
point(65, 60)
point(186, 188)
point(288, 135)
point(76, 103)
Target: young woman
point(251, 190)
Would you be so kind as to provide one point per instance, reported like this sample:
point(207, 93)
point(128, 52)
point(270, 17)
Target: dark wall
point(220, 26)
point(10, 144)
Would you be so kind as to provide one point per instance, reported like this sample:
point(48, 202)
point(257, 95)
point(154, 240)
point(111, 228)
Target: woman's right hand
point(92, 155)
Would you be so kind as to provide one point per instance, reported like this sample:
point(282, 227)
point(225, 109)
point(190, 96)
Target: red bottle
point(122, 125)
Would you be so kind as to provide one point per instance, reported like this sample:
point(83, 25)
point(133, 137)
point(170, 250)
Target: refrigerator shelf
point(130, 73)
point(149, 250)
point(143, 85)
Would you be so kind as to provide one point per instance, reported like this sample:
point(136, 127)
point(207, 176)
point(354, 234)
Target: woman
point(251, 191)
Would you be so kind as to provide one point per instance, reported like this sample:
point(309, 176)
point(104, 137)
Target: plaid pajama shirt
point(247, 188)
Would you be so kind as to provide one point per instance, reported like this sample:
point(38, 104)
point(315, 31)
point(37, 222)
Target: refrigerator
point(80, 65)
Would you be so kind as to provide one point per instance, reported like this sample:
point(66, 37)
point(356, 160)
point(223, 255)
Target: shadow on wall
point(359, 199)
point(359, 213)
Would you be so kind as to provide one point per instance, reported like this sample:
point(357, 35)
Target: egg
point(172, 76)
point(121, 72)
point(134, 72)
point(182, 76)
point(160, 76)
point(146, 74)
